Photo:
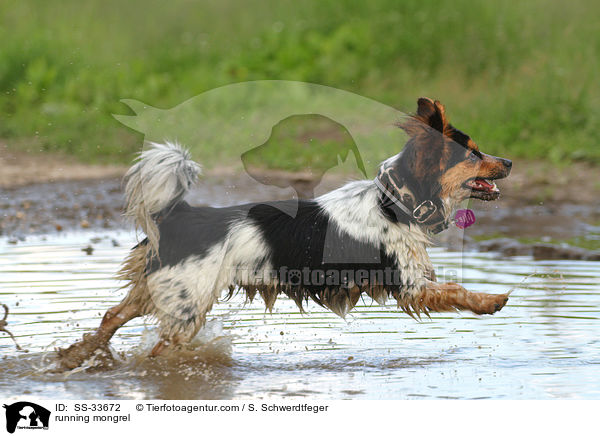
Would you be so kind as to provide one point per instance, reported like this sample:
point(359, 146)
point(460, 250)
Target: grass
point(589, 242)
point(302, 142)
point(520, 77)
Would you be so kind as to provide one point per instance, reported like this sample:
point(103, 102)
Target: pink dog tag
point(464, 218)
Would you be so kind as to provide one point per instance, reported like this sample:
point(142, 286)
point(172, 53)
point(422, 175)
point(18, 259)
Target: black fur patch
point(191, 231)
point(303, 246)
point(310, 244)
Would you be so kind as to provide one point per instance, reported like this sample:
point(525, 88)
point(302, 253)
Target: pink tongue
point(464, 218)
point(483, 183)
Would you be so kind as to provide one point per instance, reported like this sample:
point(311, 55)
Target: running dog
point(367, 236)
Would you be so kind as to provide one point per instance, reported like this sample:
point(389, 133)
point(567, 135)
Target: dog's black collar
point(426, 214)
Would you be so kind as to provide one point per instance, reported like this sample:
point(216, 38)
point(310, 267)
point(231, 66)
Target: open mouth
point(482, 189)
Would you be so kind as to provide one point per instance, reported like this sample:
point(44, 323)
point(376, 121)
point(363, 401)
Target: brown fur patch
point(453, 179)
point(136, 303)
point(471, 145)
point(487, 168)
point(434, 297)
point(443, 297)
point(133, 272)
point(491, 167)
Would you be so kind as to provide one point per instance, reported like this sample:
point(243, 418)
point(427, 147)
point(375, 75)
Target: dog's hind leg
point(182, 296)
point(443, 297)
point(168, 343)
point(113, 319)
point(179, 327)
point(136, 303)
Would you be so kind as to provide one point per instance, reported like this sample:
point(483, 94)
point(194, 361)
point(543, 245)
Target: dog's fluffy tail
point(158, 180)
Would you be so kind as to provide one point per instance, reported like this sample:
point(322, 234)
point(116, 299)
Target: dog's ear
point(432, 113)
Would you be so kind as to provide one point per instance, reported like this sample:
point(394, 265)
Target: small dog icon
point(30, 412)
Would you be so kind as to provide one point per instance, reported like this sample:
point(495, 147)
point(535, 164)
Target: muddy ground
point(47, 193)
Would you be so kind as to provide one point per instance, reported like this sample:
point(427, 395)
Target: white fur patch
point(184, 293)
point(354, 209)
point(160, 178)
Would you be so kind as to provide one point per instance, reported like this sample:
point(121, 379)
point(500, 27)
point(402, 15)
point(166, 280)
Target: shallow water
point(544, 344)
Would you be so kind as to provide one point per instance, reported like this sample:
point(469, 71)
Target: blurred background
point(520, 77)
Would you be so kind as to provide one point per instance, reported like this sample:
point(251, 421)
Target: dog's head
point(442, 164)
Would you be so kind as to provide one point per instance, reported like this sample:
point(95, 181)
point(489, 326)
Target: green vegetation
point(520, 77)
point(302, 142)
point(590, 241)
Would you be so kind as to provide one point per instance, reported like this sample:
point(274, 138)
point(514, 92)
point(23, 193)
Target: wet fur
point(193, 254)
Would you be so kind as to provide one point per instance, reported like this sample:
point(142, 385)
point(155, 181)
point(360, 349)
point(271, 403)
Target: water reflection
point(544, 344)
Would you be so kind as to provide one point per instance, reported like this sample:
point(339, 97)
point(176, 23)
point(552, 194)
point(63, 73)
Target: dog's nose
point(507, 163)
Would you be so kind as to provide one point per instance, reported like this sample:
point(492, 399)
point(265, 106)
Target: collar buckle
point(424, 211)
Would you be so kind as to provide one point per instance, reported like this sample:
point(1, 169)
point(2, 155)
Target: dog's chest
point(410, 252)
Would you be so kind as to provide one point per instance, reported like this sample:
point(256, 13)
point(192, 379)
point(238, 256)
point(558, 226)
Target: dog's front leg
point(443, 297)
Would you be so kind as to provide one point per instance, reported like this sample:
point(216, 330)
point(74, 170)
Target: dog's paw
point(492, 304)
